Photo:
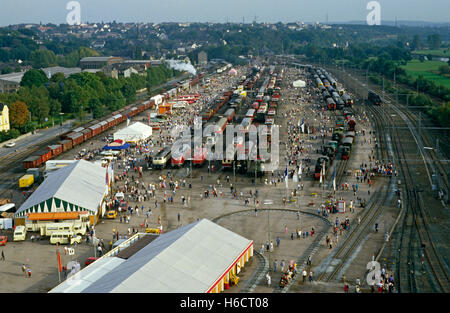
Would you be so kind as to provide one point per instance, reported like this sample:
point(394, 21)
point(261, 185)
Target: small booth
point(341, 206)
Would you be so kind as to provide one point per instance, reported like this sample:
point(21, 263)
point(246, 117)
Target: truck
point(26, 180)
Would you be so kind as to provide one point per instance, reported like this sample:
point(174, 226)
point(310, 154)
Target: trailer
point(26, 181)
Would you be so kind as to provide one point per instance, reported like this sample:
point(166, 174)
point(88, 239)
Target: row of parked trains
point(341, 143)
point(334, 96)
point(242, 145)
point(79, 135)
point(344, 131)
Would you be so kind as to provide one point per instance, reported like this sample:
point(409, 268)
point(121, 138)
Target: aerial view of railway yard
point(240, 156)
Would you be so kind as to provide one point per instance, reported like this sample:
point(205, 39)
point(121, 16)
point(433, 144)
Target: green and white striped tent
point(80, 186)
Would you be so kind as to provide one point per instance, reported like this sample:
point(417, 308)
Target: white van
point(79, 228)
point(62, 237)
point(20, 233)
point(49, 228)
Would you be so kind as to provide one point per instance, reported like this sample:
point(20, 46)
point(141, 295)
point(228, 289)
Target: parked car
point(10, 144)
point(111, 214)
point(90, 260)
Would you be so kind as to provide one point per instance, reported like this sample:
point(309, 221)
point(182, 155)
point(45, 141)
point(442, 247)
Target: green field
point(429, 70)
point(437, 53)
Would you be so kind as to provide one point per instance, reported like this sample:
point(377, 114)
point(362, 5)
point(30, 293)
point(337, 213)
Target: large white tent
point(196, 258)
point(80, 186)
point(134, 132)
point(299, 84)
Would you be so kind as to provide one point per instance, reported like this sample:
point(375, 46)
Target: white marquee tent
point(134, 132)
point(299, 83)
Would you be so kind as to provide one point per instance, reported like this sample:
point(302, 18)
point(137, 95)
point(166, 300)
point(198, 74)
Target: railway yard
point(352, 186)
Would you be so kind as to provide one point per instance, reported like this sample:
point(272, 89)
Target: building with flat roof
point(98, 62)
point(201, 257)
point(10, 82)
point(67, 71)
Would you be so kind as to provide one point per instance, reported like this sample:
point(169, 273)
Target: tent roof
point(81, 183)
point(189, 259)
point(299, 83)
point(135, 130)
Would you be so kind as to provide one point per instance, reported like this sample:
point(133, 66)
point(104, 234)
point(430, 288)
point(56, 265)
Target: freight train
point(77, 136)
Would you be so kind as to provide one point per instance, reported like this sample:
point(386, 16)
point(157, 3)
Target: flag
point(59, 261)
point(334, 179)
point(286, 177)
point(107, 177)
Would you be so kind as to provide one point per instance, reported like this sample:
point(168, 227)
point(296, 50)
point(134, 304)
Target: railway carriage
point(162, 158)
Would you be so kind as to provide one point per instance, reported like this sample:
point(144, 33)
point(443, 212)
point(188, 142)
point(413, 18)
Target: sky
point(220, 11)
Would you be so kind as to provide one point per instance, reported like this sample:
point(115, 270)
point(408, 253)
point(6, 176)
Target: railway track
point(359, 232)
point(415, 232)
point(263, 267)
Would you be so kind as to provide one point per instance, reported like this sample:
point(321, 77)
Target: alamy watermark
point(374, 16)
point(374, 275)
point(74, 16)
point(258, 147)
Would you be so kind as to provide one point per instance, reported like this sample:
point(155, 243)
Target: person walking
point(282, 265)
point(309, 261)
point(278, 241)
point(268, 279)
point(304, 275)
point(346, 288)
point(310, 276)
point(261, 251)
point(271, 246)
point(275, 264)
point(24, 270)
point(179, 217)
point(3, 256)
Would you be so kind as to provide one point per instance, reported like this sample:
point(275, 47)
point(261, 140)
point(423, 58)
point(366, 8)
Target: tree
point(96, 107)
point(444, 69)
point(34, 77)
point(18, 114)
point(415, 42)
point(42, 58)
point(434, 41)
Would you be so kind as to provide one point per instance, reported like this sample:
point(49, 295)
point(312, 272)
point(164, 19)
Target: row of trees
point(40, 99)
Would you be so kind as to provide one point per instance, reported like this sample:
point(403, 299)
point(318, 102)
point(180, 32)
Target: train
point(374, 98)
point(77, 136)
point(162, 158)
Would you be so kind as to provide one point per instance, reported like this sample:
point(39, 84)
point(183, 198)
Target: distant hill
point(400, 23)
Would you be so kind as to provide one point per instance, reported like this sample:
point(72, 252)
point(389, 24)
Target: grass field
point(437, 53)
point(429, 70)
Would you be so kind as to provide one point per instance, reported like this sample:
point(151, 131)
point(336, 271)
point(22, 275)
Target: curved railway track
point(415, 235)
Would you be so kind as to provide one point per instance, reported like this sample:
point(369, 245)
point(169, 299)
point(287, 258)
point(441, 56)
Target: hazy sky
point(54, 11)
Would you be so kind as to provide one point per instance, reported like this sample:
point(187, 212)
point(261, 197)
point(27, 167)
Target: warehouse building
point(98, 62)
point(77, 187)
point(200, 257)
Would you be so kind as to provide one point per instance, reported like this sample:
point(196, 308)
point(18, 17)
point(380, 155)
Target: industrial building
point(98, 62)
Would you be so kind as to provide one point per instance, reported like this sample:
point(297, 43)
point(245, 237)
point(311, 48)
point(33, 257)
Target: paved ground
point(266, 226)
